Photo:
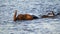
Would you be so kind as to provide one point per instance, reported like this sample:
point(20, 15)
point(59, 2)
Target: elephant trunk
point(15, 18)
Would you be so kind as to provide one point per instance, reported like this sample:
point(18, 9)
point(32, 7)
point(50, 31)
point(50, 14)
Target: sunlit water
point(35, 7)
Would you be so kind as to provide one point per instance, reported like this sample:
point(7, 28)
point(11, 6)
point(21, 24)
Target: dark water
point(35, 7)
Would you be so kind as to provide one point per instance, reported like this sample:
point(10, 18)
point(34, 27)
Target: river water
point(35, 7)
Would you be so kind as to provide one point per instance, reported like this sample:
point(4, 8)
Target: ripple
point(2, 5)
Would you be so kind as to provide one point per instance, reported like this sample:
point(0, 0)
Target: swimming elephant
point(24, 16)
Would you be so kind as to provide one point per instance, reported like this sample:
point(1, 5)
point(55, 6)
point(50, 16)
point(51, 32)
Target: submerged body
point(24, 16)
